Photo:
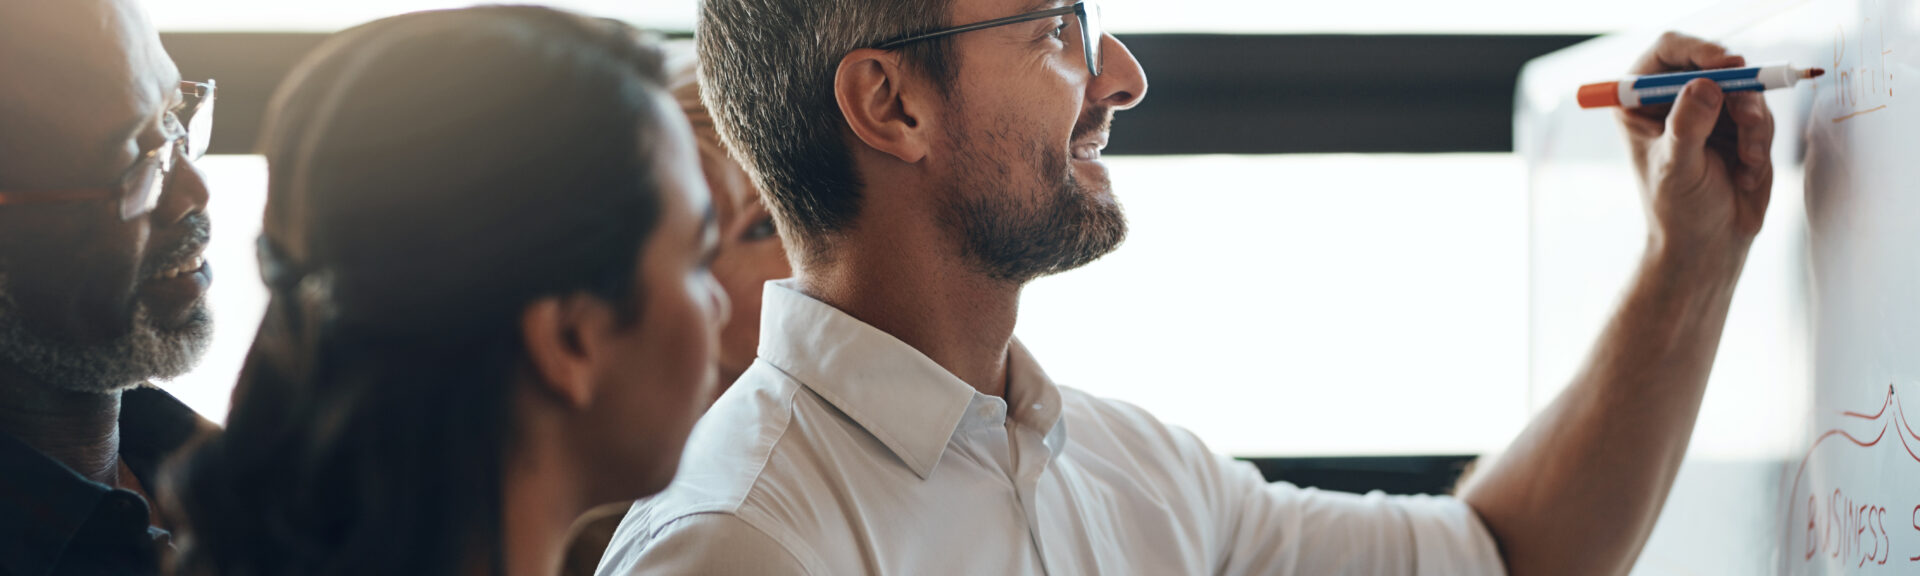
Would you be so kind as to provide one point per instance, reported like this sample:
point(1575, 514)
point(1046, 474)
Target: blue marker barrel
point(1664, 88)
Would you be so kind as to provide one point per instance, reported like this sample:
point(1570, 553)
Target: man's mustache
point(1094, 121)
point(199, 229)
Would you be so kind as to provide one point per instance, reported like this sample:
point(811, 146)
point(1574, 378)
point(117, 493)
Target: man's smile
point(1088, 148)
point(176, 280)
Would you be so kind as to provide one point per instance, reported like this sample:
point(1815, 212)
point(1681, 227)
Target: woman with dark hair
point(750, 254)
point(486, 240)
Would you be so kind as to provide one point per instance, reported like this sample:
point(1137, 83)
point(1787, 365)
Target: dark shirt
point(53, 521)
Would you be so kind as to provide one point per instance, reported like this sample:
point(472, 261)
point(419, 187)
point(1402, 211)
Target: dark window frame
point(1211, 93)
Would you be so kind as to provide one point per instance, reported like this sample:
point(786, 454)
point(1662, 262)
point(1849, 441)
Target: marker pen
point(1664, 88)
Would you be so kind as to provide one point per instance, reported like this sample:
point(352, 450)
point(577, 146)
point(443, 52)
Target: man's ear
point(565, 339)
point(883, 105)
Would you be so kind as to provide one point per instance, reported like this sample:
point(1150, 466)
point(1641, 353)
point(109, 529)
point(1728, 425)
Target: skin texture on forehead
point(85, 77)
point(970, 11)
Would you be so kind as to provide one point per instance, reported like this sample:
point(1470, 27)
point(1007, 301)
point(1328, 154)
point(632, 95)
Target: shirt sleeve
point(710, 544)
point(1282, 529)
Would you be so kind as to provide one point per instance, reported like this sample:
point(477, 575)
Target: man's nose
point(185, 195)
point(1122, 83)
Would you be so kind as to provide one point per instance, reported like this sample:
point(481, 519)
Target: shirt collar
point(43, 504)
point(1035, 399)
point(154, 425)
point(905, 399)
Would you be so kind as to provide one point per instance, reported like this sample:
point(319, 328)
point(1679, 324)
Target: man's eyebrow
point(117, 143)
point(171, 93)
point(170, 97)
point(1038, 5)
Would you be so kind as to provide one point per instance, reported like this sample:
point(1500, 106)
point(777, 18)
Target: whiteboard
point(1804, 460)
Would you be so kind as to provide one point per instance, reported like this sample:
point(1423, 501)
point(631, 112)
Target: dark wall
point(248, 68)
point(1390, 474)
point(1210, 94)
point(1217, 94)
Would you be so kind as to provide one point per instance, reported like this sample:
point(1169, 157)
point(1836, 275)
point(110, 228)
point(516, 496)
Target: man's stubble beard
point(144, 351)
point(1008, 239)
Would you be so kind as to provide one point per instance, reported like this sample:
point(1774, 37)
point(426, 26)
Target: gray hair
point(768, 68)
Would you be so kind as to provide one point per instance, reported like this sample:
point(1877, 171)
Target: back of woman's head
point(431, 174)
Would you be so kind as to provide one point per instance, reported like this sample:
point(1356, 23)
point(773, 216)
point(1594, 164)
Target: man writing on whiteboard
point(925, 160)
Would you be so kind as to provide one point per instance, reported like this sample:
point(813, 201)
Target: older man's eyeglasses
point(1087, 12)
point(139, 188)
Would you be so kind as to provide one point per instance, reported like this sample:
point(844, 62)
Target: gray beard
point(1008, 240)
point(143, 352)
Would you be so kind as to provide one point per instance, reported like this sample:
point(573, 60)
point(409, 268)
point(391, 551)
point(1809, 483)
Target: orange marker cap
point(1600, 95)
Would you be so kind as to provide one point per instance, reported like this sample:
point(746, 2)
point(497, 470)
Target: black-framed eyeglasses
point(139, 188)
point(1087, 12)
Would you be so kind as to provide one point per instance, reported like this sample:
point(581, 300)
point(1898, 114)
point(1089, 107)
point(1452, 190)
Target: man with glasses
point(102, 226)
point(923, 172)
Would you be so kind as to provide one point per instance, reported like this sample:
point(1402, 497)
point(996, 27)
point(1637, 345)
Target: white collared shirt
point(845, 451)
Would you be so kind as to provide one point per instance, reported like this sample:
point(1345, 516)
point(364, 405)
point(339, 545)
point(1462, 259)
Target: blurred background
point(1328, 260)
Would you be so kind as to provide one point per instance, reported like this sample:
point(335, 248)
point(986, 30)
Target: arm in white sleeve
point(1280, 529)
point(708, 544)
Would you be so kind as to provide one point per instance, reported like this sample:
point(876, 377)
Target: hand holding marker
point(1663, 88)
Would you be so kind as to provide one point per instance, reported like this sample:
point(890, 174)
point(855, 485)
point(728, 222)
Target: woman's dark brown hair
point(431, 175)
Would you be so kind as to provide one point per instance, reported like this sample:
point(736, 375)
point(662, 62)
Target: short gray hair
point(768, 70)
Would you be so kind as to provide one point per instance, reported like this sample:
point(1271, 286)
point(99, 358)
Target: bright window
point(1306, 304)
point(1276, 305)
point(237, 194)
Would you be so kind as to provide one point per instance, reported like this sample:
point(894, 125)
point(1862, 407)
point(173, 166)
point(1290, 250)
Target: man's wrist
point(1703, 270)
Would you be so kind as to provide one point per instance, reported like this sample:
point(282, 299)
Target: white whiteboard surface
point(1803, 460)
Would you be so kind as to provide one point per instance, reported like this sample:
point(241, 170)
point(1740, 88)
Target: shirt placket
point(1030, 456)
point(995, 435)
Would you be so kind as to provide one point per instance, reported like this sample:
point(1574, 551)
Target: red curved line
point(1903, 418)
point(1900, 420)
point(1876, 438)
point(1904, 444)
point(1802, 471)
point(1883, 407)
point(1823, 437)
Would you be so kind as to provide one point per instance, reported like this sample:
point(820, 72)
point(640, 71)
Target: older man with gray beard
point(102, 284)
